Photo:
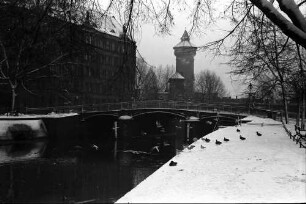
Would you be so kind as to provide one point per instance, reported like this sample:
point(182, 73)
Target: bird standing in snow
point(238, 130)
point(242, 138)
point(218, 142)
point(258, 133)
point(225, 139)
point(172, 163)
point(206, 139)
point(190, 147)
point(202, 147)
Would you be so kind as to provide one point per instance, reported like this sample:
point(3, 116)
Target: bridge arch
point(101, 115)
point(181, 116)
point(219, 116)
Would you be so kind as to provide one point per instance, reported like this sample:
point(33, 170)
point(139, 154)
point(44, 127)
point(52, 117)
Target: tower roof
point(185, 41)
point(177, 75)
point(185, 36)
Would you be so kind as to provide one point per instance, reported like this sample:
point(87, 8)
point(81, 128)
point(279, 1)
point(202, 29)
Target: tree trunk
point(303, 109)
point(13, 99)
point(285, 102)
point(299, 110)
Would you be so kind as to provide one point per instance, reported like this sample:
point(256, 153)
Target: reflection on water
point(21, 151)
point(36, 172)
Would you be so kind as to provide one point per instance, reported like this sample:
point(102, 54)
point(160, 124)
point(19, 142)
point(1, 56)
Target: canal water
point(35, 172)
point(88, 171)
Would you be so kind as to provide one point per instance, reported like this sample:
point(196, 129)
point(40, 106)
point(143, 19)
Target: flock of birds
point(226, 139)
point(217, 142)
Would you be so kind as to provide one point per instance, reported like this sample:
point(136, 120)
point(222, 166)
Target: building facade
point(101, 68)
point(177, 87)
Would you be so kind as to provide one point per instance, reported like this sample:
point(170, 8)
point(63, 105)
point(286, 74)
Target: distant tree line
point(151, 81)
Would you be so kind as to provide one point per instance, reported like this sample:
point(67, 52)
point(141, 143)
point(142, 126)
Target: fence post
point(188, 131)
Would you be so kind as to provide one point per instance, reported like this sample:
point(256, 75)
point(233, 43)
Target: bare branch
point(219, 42)
point(283, 23)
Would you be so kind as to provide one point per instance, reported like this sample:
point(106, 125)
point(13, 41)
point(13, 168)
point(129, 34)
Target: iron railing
point(158, 104)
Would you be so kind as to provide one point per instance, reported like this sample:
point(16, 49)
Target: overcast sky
point(158, 50)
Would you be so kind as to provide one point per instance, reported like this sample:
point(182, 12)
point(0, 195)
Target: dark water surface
point(91, 166)
point(36, 172)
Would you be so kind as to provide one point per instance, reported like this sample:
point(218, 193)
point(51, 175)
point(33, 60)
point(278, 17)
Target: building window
point(113, 47)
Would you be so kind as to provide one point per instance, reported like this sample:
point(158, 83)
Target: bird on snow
point(218, 142)
point(202, 147)
point(190, 147)
point(242, 138)
point(206, 139)
point(258, 133)
point(172, 163)
point(225, 139)
point(238, 130)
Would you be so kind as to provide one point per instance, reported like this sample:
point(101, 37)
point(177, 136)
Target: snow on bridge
point(267, 168)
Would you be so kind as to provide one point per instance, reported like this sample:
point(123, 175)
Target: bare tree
point(35, 36)
point(293, 23)
point(142, 70)
point(150, 88)
point(209, 85)
point(163, 74)
point(263, 51)
point(285, 14)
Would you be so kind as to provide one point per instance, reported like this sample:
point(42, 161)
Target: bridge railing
point(184, 105)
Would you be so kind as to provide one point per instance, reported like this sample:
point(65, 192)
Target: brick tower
point(185, 52)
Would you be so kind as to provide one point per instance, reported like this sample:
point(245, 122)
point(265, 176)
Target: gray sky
point(158, 50)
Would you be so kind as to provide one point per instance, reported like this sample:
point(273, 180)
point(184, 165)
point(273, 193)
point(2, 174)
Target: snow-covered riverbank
point(27, 126)
point(267, 168)
point(33, 116)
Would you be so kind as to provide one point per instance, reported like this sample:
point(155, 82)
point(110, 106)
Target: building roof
point(185, 41)
point(185, 36)
point(177, 76)
point(111, 26)
point(104, 23)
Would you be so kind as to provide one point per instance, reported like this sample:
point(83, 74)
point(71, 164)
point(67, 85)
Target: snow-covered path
point(267, 168)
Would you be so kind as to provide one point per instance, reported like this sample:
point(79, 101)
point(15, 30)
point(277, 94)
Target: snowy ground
point(28, 116)
point(270, 168)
